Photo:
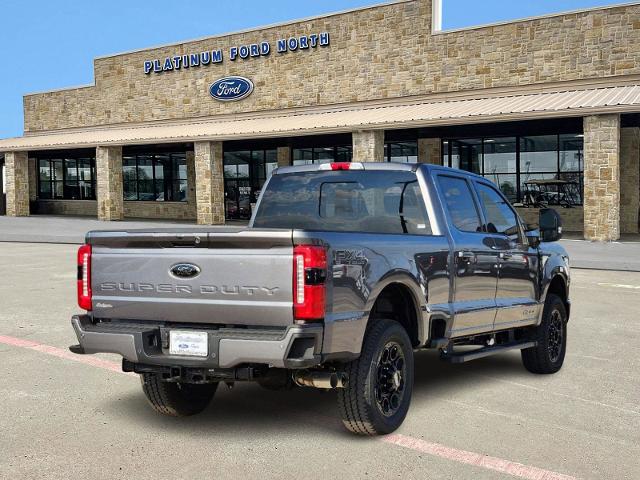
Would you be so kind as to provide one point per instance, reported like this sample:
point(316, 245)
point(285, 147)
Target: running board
point(485, 352)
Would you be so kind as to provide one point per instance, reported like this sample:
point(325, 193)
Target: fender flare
point(410, 281)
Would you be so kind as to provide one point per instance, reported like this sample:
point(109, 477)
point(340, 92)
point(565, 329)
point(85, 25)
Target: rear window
point(345, 201)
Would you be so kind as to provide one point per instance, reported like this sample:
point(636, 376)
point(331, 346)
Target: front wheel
point(176, 399)
point(377, 397)
point(551, 335)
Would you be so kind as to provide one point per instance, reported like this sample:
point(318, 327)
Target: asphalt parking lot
point(65, 418)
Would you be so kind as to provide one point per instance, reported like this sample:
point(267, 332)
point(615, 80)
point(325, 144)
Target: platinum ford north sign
point(243, 52)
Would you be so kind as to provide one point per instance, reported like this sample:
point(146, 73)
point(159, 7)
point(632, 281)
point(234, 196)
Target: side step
point(485, 352)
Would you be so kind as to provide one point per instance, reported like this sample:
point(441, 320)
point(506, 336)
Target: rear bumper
point(297, 346)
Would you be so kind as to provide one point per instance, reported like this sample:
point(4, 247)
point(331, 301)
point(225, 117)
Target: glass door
point(245, 172)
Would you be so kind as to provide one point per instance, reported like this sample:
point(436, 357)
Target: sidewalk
point(623, 255)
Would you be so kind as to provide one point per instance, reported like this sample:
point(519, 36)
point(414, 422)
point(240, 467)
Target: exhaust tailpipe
point(316, 379)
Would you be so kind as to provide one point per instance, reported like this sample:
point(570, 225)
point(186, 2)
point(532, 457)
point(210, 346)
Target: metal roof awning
point(441, 112)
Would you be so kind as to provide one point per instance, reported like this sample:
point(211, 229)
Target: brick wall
point(375, 53)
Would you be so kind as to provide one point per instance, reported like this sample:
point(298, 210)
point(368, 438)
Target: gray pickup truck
point(345, 270)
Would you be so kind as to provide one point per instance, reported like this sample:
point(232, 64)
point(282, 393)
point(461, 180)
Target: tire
point(176, 399)
point(548, 356)
point(376, 399)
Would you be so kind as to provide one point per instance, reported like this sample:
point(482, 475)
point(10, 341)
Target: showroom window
point(402, 152)
point(160, 177)
point(66, 178)
point(310, 155)
point(530, 170)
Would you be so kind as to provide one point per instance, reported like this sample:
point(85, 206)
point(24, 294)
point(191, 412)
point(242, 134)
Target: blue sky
point(49, 44)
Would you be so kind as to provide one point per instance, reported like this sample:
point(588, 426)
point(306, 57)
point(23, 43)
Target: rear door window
point(460, 203)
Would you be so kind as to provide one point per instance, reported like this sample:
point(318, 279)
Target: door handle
point(467, 256)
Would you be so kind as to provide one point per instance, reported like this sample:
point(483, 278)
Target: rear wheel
point(176, 399)
point(377, 397)
point(551, 335)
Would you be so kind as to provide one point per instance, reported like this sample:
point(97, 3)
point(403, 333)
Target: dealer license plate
point(191, 344)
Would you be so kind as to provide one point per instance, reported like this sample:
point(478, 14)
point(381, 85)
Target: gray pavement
point(623, 255)
point(63, 419)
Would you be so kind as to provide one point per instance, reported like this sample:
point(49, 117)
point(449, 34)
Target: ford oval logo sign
point(185, 270)
point(231, 89)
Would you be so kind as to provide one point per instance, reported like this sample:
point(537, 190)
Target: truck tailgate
point(243, 277)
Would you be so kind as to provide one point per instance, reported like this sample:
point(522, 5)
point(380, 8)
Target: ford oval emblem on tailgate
point(185, 270)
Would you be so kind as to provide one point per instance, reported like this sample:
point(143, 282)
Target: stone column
point(602, 177)
point(109, 182)
point(368, 146)
point(284, 156)
point(33, 179)
point(17, 171)
point(191, 183)
point(430, 151)
point(209, 183)
point(629, 179)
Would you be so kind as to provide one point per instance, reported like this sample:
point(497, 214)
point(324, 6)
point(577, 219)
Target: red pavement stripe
point(61, 353)
point(422, 446)
point(475, 459)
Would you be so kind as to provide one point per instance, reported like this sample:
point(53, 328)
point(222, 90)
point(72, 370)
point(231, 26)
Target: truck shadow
point(250, 409)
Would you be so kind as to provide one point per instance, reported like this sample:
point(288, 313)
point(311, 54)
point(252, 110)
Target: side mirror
point(550, 225)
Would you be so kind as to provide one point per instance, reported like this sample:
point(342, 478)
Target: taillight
point(309, 276)
point(84, 277)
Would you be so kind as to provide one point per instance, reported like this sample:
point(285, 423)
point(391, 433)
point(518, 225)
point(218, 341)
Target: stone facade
point(368, 146)
point(17, 176)
point(284, 156)
point(430, 151)
point(82, 208)
point(209, 183)
point(33, 180)
point(602, 177)
point(375, 53)
point(109, 183)
point(629, 179)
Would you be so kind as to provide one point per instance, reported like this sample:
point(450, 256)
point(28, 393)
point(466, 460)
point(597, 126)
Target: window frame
point(172, 181)
point(403, 144)
point(343, 148)
point(447, 149)
point(62, 160)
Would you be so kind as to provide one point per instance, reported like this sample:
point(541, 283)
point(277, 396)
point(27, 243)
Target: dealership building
point(548, 108)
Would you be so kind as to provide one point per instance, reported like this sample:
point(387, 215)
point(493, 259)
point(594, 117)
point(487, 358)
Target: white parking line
point(435, 449)
point(619, 285)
